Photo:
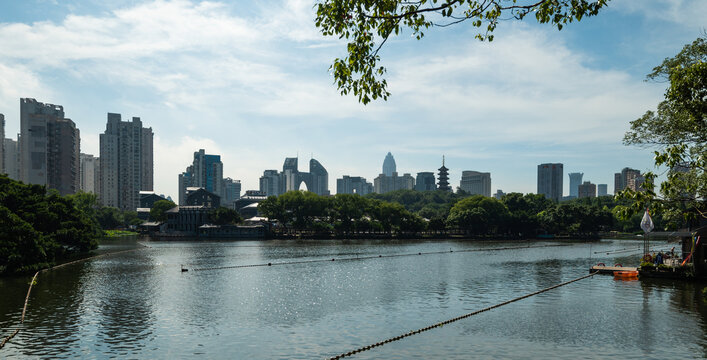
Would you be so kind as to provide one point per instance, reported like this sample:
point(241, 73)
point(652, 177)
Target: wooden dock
point(609, 270)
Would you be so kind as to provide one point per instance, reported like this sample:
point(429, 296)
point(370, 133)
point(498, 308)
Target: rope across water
point(439, 324)
point(370, 257)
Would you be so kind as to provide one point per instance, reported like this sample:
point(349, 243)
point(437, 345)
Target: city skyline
point(534, 95)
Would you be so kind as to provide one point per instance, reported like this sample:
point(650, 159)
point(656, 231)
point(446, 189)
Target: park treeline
point(39, 227)
point(409, 212)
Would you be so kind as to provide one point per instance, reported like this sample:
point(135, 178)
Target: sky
point(249, 81)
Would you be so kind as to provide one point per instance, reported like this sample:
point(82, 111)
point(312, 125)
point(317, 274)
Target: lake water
point(140, 304)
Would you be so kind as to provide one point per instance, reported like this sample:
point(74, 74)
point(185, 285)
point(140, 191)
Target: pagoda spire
point(443, 183)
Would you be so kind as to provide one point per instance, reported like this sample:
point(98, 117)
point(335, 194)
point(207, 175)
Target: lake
point(139, 304)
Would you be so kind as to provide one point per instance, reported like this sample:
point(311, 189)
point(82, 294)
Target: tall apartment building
point(231, 192)
point(383, 184)
point(602, 189)
point(550, 180)
point(206, 171)
point(49, 147)
point(575, 181)
point(126, 162)
point(425, 181)
point(353, 185)
point(476, 183)
point(2, 144)
point(90, 173)
point(587, 189)
point(11, 159)
point(389, 165)
point(627, 178)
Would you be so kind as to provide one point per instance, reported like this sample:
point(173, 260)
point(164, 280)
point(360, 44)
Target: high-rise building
point(319, 178)
point(425, 181)
point(270, 183)
point(499, 194)
point(90, 178)
point(628, 178)
point(575, 181)
point(316, 180)
point(586, 189)
point(443, 183)
point(2, 144)
point(11, 159)
point(476, 183)
point(550, 180)
point(231, 192)
point(126, 162)
point(206, 172)
point(602, 189)
point(383, 184)
point(389, 165)
point(49, 147)
point(353, 185)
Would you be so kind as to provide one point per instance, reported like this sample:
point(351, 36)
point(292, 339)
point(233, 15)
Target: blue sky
point(249, 81)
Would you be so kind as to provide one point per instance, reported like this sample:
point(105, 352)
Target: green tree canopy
point(678, 131)
point(368, 24)
point(159, 208)
point(224, 216)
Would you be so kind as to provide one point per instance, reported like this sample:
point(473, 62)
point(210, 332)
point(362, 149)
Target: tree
point(678, 130)
point(159, 209)
point(224, 216)
point(368, 24)
point(478, 214)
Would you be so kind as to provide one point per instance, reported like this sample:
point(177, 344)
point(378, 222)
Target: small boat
point(626, 275)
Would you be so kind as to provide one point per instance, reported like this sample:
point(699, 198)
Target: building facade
point(48, 147)
point(476, 183)
point(89, 179)
point(2, 144)
point(602, 190)
point(499, 194)
point(627, 178)
point(586, 190)
point(231, 192)
point(353, 185)
point(206, 171)
point(316, 180)
point(11, 159)
point(425, 181)
point(126, 162)
point(383, 184)
point(389, 166)
point(550, 180)
point(575, 181)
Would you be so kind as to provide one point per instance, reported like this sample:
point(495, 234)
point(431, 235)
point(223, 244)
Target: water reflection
point(141, 305)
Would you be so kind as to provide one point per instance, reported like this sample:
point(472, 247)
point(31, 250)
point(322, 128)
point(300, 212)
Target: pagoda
point(443, 183)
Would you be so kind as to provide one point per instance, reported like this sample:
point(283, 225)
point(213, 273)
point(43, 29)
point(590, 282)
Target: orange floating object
point(626, 275)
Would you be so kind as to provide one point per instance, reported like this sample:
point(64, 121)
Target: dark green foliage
point(224, 216)
point(367, 25)
point(678, 130)
point(157, 212)
point(516, 215)
point(38, 227)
